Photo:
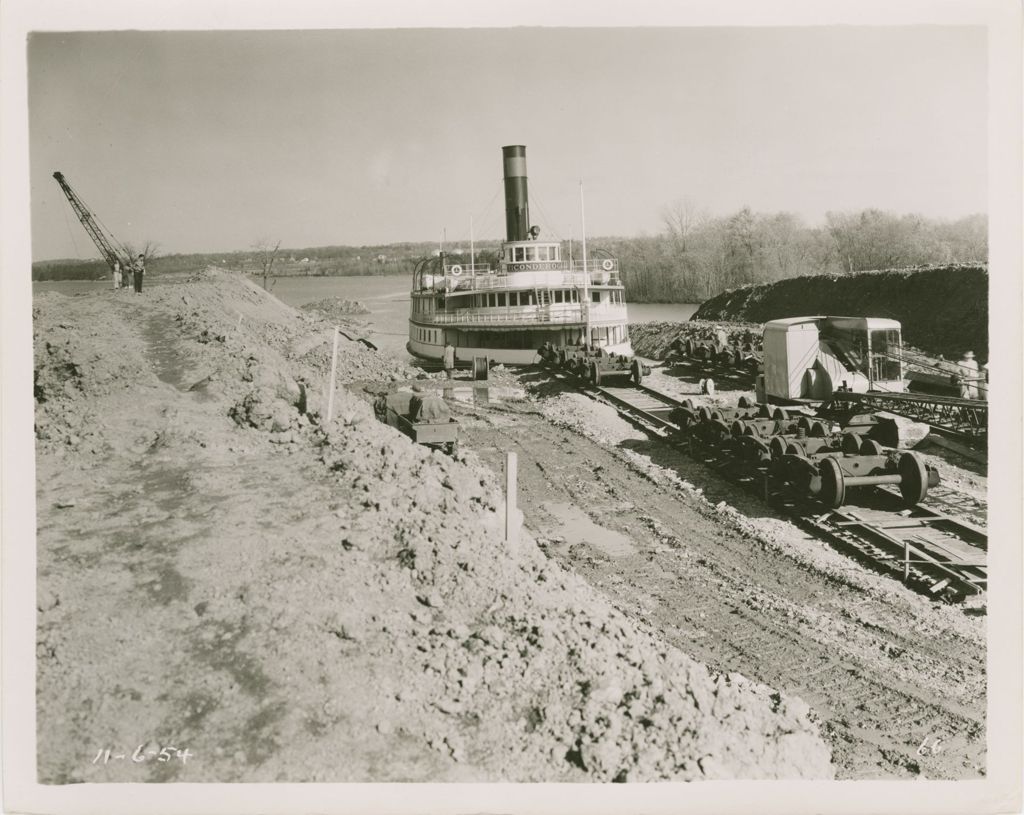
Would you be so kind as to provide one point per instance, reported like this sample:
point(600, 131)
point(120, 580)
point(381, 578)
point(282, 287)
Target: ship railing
point(526, 315)
point(523, 280)
point(466, 269)
point(464, 316)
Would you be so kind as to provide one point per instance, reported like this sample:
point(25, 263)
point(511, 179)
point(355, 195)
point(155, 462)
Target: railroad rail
point(927, 549)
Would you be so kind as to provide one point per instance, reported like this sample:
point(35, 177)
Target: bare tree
point(266, 254)
point(150, 250)
point(682, 218)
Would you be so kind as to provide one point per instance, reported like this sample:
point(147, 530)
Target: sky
point(210, 141)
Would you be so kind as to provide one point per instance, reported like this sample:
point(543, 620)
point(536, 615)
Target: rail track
point(924, 547)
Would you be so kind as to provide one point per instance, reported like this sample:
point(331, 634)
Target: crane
point(109, 247)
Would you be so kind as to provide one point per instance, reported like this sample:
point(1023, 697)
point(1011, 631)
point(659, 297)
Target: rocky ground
point(724, 578)
point(223, 571)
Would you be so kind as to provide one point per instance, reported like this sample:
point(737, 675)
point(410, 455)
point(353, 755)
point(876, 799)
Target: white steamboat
point(534, 296)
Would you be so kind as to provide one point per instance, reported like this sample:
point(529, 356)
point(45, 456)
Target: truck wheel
point(595, 374)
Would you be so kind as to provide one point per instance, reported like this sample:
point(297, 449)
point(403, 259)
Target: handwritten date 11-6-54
point(143, 753)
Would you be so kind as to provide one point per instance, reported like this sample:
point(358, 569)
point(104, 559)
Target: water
point(387, 298)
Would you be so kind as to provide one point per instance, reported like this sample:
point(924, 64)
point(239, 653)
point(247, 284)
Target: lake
point(387, 298)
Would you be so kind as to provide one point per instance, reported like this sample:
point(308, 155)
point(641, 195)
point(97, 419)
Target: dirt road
point(897, 682)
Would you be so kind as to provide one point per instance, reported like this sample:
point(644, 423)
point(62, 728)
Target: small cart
point(394, 410)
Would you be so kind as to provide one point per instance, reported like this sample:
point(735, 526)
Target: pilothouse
point(534, 296)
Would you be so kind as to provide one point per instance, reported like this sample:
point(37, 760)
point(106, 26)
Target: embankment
point(222, 570)
point(943, 309)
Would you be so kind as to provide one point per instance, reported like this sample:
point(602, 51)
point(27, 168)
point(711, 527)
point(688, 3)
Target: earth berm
point(222, 570)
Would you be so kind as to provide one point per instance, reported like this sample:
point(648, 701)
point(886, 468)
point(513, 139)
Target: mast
point(472, 250)
point(586, 274)
point(107, 245)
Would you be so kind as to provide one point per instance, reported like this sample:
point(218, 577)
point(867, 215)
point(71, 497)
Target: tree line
point(694, 257)
point(697, 256)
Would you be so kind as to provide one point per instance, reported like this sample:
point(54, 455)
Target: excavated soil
point(721, 576)
point(221, 570)
point(943, 309)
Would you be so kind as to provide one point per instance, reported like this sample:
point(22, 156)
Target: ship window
point(595, 297)
point(501, 298)
point(519, 253)
point(529, 298)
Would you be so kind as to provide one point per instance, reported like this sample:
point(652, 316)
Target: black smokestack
point(517, 212)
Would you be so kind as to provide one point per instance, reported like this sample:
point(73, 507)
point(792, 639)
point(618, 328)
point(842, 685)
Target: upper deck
point(523, 265)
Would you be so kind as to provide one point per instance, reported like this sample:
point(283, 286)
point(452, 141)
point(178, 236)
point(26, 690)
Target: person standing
point(968, 375)
point(138, 270)
point(449, 360)
point(117, 275)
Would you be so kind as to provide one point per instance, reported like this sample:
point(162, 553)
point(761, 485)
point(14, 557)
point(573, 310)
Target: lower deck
point(509, 346)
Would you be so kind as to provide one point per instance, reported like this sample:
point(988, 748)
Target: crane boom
point(109, 247)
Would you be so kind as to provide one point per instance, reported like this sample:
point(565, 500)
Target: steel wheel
point(757, 450)
point(719, 430)
point(833, 485)
point(795, 448)
point(913, 478)
point(870, 447)
point(851, 444)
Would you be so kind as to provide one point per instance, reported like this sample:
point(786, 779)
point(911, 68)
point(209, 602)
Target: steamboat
point(535, 297)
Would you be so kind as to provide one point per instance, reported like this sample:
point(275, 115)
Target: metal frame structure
point(105, 242)
point(966, 419)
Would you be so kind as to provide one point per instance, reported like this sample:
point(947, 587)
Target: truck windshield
point(885, 355)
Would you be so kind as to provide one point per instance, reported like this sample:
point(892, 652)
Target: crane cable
point(71, 234)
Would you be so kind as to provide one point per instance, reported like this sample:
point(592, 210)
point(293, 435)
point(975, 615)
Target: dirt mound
point(943, 309)
point(336, 309)
point(298, 591)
